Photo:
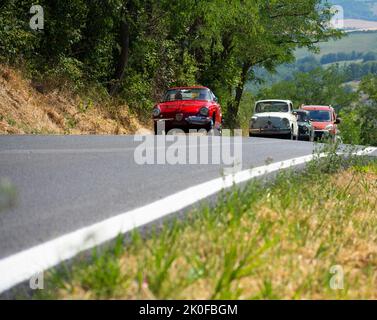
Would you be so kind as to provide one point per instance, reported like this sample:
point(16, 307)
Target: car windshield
point(320, 115)
point(302, 117)
point(271, 106)
point(187, 94)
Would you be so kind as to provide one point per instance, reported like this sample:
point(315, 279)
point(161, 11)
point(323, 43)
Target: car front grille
point(262, 122)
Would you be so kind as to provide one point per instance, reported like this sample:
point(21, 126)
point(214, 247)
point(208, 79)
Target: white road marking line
point(366, 151)
point(362, 152)
point(24, 265)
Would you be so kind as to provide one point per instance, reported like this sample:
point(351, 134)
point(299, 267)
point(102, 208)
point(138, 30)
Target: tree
point(359, 124)
point(137, 48)
point(282, 26)
point(318, 87)
point(370, 56)
point(369, 86)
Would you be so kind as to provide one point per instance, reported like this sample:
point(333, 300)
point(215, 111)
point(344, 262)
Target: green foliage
point(356, 71)
point(137, 48)
point(359, 124)
point(352, 70)
point(368, 119)
point(16, 40)
point(137, 91)
point(246, 111)
point(369, 87)
point(350, 126)
point(370, 56)
point(104, 275)
point(318, 87)
point(367, 113)
point(342, 56)
point(355, 41)
point(326, 87)
point(68, 70)
point(274, 239)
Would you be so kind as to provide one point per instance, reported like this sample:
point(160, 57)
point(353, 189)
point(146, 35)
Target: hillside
point(357, 41)
point(24, 110)
point(362, 43)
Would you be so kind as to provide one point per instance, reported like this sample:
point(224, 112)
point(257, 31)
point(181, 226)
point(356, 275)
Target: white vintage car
point(274, 118)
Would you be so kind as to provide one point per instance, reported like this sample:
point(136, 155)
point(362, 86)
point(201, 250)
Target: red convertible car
point(188, 108)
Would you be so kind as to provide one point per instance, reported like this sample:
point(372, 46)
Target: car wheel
point(209, 127)
point(160, 131)
point(218, 132)
point(155, 128)
point(297, 136)
point(290, 136)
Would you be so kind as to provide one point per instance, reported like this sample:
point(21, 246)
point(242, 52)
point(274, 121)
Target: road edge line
point(24, 265)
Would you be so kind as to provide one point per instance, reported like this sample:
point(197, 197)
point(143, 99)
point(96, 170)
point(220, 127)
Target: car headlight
point(252, 121)
point(329, 127)
point(286, 123)
point(156, 112)
point(204, 111)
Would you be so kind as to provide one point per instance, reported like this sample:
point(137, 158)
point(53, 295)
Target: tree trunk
point(233, 106)
point(123, 57)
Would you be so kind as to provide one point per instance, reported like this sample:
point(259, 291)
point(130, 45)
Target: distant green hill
point(357, 41)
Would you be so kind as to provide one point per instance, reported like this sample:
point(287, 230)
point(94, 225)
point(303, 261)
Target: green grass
point(271, 240)
point(357, 41)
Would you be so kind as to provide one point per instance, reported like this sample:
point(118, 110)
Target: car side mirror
point(338, 120)
point(294, 113)
point(216, 99)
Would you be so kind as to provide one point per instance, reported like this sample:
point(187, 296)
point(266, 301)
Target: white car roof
point(274, 100)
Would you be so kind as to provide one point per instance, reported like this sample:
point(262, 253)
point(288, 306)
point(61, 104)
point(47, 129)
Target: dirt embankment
point(26, 109)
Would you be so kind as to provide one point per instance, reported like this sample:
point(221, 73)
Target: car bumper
point(304, 134)
point(322, 134)
point(269, 132)
point(198, 121)
point(188, 121)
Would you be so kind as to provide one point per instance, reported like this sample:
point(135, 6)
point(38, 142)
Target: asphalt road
point(65, 183)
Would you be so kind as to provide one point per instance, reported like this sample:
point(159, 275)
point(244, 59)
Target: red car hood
point(320, 125)
point(189, 107)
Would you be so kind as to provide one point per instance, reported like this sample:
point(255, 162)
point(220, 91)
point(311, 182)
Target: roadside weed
point(268, 240)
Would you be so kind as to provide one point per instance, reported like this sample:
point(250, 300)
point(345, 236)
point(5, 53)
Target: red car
point(324, 121)
point(188, 108)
